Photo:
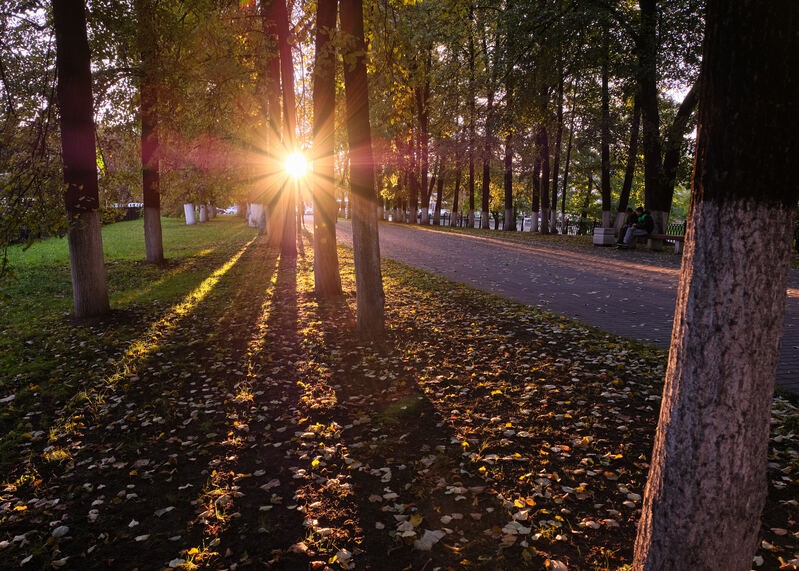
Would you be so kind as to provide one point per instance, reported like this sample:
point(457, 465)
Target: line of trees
point(535, 106)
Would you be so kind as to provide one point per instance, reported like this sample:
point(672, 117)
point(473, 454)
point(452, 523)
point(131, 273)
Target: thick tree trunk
point(368, 280)
point(510, 221)
point(89, 290)
point(148, 111)
point(707, 483)
point(327, 279)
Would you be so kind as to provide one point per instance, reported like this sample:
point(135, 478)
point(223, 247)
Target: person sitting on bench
point(642, 227)
point(628, 222)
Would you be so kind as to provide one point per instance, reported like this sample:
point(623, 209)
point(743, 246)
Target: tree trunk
point(543, 146)
point(368, 280)
point(273, 204)
point(582, 229)
point(439, 196)
point(563, 221)
point(423, 111)
point(148, 111)
point(558, 142)
point(456, 193)
point(413, 181)
point(288, 245)
point(486, 182)
point(605, 135)
point(648, 92)
point(707, 483)
point(674, 140)
point(472, 116)
point(89, 290)
point(327, 279)
point(629, 173)
point(536, 191)
point(510, 222)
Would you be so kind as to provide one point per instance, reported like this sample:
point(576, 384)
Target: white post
point(188, 210)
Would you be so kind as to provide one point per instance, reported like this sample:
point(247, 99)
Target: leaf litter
point(258, 432)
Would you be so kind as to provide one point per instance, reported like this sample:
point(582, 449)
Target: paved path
point(631, 294)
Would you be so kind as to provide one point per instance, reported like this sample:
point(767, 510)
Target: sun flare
point(296, 165)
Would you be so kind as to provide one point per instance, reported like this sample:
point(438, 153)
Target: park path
point(631, 294)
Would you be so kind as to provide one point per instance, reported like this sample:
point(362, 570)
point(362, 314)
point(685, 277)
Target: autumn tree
point(707, 483)
point(148, 97)
point(326, 271)
point(368, 278)
point(89, 291)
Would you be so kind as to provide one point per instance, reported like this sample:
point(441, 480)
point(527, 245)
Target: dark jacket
point(646, 222)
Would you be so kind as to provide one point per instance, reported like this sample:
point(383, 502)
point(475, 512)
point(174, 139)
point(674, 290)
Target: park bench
point(678, 240)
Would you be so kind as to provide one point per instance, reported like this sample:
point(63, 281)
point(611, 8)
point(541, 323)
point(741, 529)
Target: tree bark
point(510, 221)
point(327, 279)
point(536, 203)
point(439, 196)
point(605, 135)
point(89, 289)
point(273, 206)
point(650, 117)
point(423, 111)
point(456, 193)
point(674, 139)
point(543, 149)
point(707, 483)
point(368, 279)
point(563, 221)
point(629, 173)
point(288, 245)
point(148, 111)
point(472, 116)
point(486, 182)
point(558, 142)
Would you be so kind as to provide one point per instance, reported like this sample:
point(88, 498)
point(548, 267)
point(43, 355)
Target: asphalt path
point(631, 294)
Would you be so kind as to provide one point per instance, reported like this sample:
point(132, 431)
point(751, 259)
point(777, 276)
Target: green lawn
point(35, 317)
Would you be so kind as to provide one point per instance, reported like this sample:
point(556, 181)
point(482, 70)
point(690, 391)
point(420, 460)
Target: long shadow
point(270, 529)
point(84, 340)
point(127, 467)
point(404, 460)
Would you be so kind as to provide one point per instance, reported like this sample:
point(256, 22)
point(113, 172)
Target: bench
point(678, 240)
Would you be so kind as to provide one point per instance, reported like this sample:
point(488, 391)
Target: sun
point(296, 165)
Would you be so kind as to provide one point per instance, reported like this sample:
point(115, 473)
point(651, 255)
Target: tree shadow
point(129, 460)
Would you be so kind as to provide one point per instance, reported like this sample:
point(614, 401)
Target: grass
point(35, 320)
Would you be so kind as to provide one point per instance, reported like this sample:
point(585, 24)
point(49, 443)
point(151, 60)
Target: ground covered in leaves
point(243, 427)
